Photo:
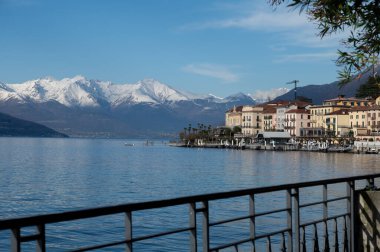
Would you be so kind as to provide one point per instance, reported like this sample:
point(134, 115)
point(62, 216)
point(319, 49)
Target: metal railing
point(334, 229)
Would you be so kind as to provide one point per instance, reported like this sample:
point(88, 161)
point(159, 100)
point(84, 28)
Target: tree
point(369, 89)
point(360, 17)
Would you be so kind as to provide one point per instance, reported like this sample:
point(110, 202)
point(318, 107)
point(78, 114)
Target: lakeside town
point(337, 125)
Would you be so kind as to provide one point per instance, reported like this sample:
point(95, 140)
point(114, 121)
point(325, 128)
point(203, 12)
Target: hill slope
point(11, 126)
point(319, 93)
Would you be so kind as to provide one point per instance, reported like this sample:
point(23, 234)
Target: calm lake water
point(54, 175)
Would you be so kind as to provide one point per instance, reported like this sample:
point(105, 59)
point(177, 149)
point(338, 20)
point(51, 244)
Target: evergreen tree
point(369, 89)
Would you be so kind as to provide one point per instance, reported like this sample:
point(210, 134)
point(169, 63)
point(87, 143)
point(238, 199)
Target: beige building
point(348, 102)
point(234, 117)
point(318, 114)
point(269, 118)
point(295, 120)
point(365, 121)
point(252, 118)
point(338, 123)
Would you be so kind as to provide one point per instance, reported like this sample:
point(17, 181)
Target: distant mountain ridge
point(81, 107)
point(319, 93)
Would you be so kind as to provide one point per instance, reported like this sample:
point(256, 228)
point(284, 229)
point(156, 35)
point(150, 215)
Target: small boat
point(372, 151)
point(129, 144)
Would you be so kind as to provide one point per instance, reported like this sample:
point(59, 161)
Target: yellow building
point(234, 117)
point(338, 123)
point(318, 114)
point(349, 102)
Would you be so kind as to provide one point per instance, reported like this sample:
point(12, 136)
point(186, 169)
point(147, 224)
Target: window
point(357, 116)
point(363, 116)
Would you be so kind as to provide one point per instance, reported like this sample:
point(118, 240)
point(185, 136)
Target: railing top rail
point(123, 208)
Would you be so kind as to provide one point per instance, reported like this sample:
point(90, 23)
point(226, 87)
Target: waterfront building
point(295, 120)
point(349, 102)
point(252, 117)
point(234, 117)
point(281, 112)
point(319, 114)
point(269, 118)
point(365, 121)
point(338, 123)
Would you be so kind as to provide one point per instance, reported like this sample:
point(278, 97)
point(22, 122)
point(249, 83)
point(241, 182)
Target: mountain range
point(82, 107)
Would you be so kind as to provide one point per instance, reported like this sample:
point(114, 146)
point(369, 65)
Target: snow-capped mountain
point(82, 107)
point(79, 91)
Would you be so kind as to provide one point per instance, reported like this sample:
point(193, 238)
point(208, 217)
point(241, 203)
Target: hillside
point(11, 126)
point(319, 93)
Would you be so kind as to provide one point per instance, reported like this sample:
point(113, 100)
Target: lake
point(40, 175)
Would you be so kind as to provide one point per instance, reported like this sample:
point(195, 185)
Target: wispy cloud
point(305, 57)
point(261, 21)
point(212, 70)
point(293, 28)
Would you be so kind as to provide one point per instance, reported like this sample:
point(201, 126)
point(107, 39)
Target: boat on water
point(334, 148)
point(129, 144)
point(371, 151)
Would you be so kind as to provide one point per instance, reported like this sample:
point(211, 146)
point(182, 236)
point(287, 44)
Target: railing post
point(252, 226)
point(205, 227)
point(128, 231)
point(193, 227)
point(41, 242)
point(296, 199)
point(289, 219)
point(351, 214)
point(325, 216)
point(15, 240)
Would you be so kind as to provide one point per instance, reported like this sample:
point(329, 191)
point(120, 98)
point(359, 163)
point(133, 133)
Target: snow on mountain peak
point(81, 92)
point(159, 92)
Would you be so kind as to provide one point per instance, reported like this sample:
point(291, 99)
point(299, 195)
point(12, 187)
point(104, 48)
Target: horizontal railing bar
point(145, 237)
point(272, 212)
point(29, 238)
point(250, 239)
point(323, 220)
point(101, 211)
point(229, 220)
point(106, 245)
point(141, 238)
point(321, 202)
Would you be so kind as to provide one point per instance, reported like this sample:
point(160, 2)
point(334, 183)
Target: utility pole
point(295, 87)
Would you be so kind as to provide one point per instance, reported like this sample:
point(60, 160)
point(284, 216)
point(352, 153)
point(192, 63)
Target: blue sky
point(219, 47)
